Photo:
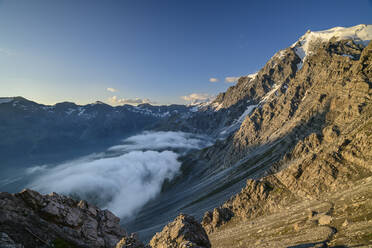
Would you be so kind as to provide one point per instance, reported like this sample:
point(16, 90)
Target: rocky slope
point(323, 127)
point(34, 220)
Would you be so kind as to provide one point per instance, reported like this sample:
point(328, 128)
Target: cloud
point(161, 140)
point(231, 79)
point(111, 89)
point(114, 182)
point(114, 100)
point(197, 97)
point(213, 80)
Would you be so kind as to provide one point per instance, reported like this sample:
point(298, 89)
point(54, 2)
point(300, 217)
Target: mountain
point(300, 129)
point(32, 132)
point(292, 161)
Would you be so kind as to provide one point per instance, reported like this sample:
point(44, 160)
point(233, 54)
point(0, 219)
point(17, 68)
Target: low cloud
point(231, 79)
point(114, 100)
point(111, 89)
point(197, 97)
point(125, 182)
point(213, 80)
point(161, 140)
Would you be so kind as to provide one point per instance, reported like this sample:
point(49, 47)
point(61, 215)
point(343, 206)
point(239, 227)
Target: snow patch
point(269, 94)
point(217, 106)
point(236, 123)
point(70, 111)
point(48, 108)
point(360, 34)
point(249, 109)
point(252, 76)
point(348, 55)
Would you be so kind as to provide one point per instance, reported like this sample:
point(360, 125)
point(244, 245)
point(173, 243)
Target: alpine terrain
point(286, 160)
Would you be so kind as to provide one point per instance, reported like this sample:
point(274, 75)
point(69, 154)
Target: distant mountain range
point(29, 130)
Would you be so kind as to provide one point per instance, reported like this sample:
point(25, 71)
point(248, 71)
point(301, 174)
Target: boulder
point(183, 232)
point(35, 220)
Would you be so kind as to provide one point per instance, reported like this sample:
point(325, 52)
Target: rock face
point(183, 232)
point(35, 220)
point(313, 130)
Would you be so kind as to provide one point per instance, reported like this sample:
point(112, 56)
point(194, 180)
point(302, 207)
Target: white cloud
point(213, 80)
point(111, 89)
point(231, 79)
point(161, 140)
point(142, 165)
point(197, 97)
point(114, 100)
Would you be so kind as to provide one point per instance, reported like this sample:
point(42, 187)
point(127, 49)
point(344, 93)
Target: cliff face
point(34, 220)
point(319, 131)
point(329, 89)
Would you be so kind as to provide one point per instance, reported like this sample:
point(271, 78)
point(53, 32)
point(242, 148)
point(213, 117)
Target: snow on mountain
point(270, 93)
point(250, 107)
point(6, 99)
point(360, 34)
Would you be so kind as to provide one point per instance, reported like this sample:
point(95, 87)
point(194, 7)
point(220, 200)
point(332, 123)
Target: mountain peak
point(360, 34)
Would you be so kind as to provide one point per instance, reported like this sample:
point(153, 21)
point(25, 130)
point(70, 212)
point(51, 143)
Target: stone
point(184, 231)
point(218, 217)
point(324, 220)
point(345, 223)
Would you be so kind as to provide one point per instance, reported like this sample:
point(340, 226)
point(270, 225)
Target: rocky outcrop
point(131, 241)
point(255, 199)
point(35, 220)
point(183, 232)
point(219, 216)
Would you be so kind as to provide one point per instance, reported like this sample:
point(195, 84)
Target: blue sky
point(157, 51)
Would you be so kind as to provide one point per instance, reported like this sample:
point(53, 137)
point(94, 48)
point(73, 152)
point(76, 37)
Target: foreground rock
point(183, 232)
point(7, 242)
point(34, 220)
point(130, 242)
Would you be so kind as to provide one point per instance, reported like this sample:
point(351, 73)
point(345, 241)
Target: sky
point(154, 51)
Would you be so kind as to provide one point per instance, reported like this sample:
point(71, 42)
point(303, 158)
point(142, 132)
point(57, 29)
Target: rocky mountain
point(292, 164)
point(300, 128)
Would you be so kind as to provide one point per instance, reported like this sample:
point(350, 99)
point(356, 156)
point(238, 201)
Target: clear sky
point(153, 50)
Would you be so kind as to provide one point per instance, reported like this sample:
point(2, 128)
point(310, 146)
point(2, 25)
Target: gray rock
point(7, 242)
point(36, 220)
point(183, 232)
